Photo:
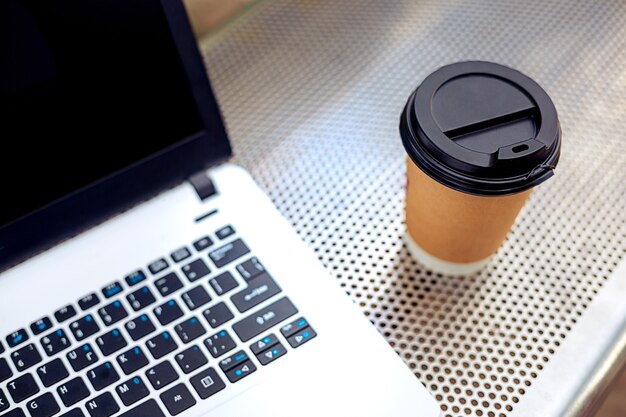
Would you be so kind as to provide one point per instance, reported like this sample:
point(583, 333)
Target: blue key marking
point(17, 339)
point(193, 320)
point(222, 333)
point(117, 304)
point(136, 381)
point(137, 277)
point(42, 326)
point(275, 352)
point(240, 357)
point(144, 318)
point(108, 365)
point(267, 340)
point(116, 333)
point(238, 372)
point(302, 323)
point(60, 332)
point(88, 318)
point(137, 351)
point(112, 291)
point(86, 348)
point(166, 335)
point(171, 303)
point(305, 334)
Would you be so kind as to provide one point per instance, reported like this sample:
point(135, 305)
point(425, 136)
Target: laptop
point(142, 274)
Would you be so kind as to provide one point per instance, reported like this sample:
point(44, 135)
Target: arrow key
point(302, 337)
point(271, 354)
point(177, 399)
point(240, 371)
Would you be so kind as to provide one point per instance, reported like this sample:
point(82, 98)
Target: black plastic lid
point(482, 128)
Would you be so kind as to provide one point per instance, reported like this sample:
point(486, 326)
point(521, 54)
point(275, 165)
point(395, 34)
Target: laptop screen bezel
point(104, 198)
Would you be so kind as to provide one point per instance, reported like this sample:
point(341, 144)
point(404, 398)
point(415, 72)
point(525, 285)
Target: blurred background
point(209, 16)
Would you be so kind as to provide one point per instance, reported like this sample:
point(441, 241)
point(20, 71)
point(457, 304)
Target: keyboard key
point(89, 301)
point(224, 232)
point(23, 387)
point(220, 343)
point(65, 313)
point(262, 320)
point(177, 399)
point(196, 297)
point(191, 359)
point(77, 412)
point(26, 357)
point(112, 313)
point(135, 278)
point(52, 372)
point(17, 337)
point(43, 406)
point(139, 327)
point(73, 391)
point(259, 289)
point(228, 253)
point(17, 412)
point(82, 357)
point(240, 371)
point(233, 360)
point(203, 243)
point(5, 370)
point(112, 289)
point(168, 312)
point(41, 325)
point(158, 266)
point(102, 376)
point(4, 402)
point(132, 391)
point(103, 406)
point(294, 327)
point(301, 337)
point(168, 284)
point(223, 283)
point(132, 360)
point(141, 298)
point(271, 354)
point(55, 342)
point(149, 408)
point(161, 345)
point(250, 268)
point(111, 342)
point(161, 375)
point(196, 270)
point(180, 254)
point(264, 344)
point(189, 330)
point(218, 314)
point(207, 383)
point(84, 327)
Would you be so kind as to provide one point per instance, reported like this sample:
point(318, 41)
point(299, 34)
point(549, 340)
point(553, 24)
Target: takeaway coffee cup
point(479, 136)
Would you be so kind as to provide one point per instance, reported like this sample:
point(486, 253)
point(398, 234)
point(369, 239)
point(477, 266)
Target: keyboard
point(187, 326)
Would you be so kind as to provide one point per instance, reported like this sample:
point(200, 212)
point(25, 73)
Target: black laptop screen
point(102, 105)
point(86, 89)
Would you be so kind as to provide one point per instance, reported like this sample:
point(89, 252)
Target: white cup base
point(439, 265)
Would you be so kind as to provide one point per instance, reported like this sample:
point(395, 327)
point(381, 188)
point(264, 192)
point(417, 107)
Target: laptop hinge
point(203, 184)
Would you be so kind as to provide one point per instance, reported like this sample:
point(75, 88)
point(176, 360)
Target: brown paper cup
point(454, 232)
point(479, 137)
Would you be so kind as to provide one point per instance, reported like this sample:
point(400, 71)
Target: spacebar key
point(263, 319)
point(147, 409)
